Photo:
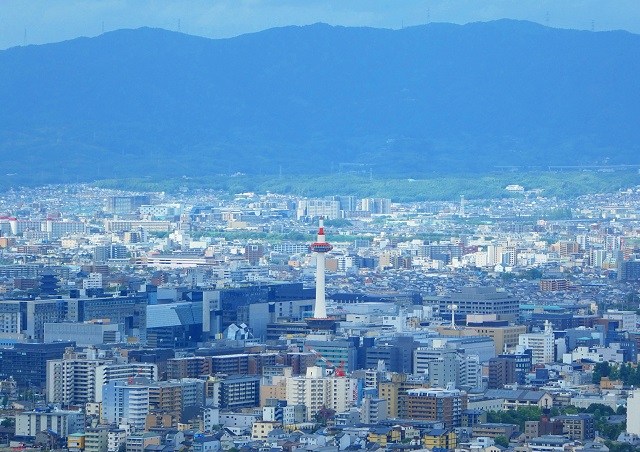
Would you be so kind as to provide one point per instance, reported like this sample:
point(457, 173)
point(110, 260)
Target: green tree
point(601, 370)
point(615, 446)
point(501, 440)
point(518, 417)
point(8, 422)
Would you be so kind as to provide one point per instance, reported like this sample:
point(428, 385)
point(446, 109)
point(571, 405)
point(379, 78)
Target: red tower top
point(321, 245)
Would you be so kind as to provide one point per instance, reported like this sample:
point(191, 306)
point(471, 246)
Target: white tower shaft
point(320, 247)
point(320, 311)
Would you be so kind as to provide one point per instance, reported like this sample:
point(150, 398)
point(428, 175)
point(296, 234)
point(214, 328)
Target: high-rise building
point(253, 252)
point(316, 390)
point(79, 377)
point(314, 208)
point(125, 403)
point(629, 270)
point(377, 205)
point(457, 369)
point(502, 371)
point(374, 410)
point(96, 439)
point(234, 391)
point(633, 412)
point(540, 344)
point(395, 393)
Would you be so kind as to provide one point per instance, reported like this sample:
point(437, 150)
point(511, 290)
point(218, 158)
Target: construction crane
point(131, 378)
point(337, 371)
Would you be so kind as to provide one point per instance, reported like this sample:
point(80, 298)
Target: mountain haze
point(316, 99)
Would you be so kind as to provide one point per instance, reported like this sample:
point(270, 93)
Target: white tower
point(320, 247)
point(453, 308)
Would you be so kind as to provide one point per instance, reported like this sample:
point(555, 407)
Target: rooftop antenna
point(546, 19)
point(593, 25)
point(453, 308)
point(428, 15)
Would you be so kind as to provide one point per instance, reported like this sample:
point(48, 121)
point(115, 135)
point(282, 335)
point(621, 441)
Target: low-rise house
point(440, 438)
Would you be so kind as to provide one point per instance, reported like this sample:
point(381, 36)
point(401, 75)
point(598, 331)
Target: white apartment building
point(633, 412)
point(64, 423)
point(125, 403)
point(79, 377)
point(330, 210)
point(541, 345)
point(116, 438)
point(316, 390)
point(94, 281)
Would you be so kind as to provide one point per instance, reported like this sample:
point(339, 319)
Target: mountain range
point(320, 99)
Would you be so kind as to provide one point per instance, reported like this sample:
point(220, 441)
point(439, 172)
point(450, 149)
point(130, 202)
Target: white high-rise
point(541, 345)
point(125, 403)
point(317, 390)
point(633, 412)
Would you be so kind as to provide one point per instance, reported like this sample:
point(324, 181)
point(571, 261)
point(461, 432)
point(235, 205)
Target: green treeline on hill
point(434, 187)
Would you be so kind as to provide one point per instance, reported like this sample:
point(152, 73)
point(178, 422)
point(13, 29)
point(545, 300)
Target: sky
point(25, 22)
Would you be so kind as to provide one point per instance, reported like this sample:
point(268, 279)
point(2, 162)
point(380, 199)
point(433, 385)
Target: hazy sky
point(42, 21)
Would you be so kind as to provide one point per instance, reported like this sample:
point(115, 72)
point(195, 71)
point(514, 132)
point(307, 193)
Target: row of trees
point(434, 187)
point(628, 374)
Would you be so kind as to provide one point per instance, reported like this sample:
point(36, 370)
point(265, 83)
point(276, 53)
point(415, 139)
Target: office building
point(85, 334)
point(336, 352)
point(126, 204)
point(26, 363)
point(480, 300)
point(28, 317)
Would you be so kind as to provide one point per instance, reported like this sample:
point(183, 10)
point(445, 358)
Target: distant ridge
point(436, 98)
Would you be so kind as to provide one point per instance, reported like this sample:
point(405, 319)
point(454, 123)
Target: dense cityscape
point(202, 321)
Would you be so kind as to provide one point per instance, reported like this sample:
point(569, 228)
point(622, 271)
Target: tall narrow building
point(320, 321)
